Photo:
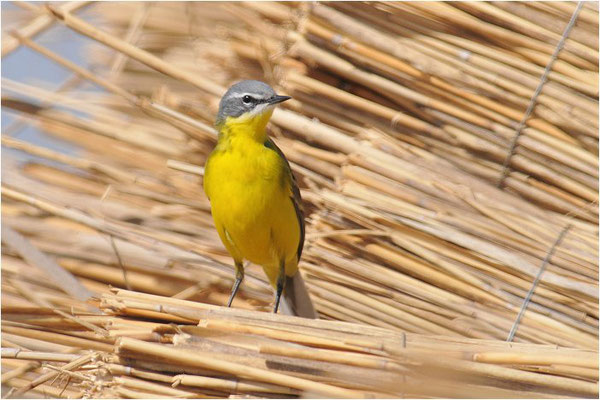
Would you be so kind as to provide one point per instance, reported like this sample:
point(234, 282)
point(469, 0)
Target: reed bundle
point(432, 204)
point(147, 345)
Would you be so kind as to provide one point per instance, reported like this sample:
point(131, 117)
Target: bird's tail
point(295, 299)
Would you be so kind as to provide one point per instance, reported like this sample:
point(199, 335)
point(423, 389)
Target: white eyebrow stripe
point(239, 95)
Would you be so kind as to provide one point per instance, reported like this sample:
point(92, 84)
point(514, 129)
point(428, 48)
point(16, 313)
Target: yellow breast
point(250, 201)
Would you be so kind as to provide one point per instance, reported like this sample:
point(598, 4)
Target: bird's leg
point(239, 277)
point(280, 284)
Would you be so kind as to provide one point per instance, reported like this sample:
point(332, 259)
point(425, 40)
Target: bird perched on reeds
point(255, 201)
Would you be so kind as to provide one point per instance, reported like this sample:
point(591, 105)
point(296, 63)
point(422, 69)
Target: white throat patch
point(259, 109)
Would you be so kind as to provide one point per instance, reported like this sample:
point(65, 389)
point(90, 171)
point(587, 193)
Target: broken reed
point(216, 351)
point(400, 123)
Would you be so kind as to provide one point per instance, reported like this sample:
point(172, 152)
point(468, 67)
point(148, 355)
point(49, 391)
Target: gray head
point(247, 97)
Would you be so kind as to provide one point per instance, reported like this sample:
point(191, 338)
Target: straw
point(397, 133)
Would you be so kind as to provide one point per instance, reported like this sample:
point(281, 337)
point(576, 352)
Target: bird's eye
point(247, 99)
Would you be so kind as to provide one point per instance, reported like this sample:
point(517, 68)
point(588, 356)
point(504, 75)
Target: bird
point(254, 198)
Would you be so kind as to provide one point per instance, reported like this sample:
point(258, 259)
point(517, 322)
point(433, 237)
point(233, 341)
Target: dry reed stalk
point(201, 381)
point(58, 338)
point(36, 26)
point(162, 379)
point(524, 377)
point(37, 356)
point(387, 42)
point(535, 31)
point(128, 49)
point(19, 370)
point(80, 361)
point(154, 388)
point(507, 358)
point(231, 386)
point(196, 359)
point(45, 389)
point(565, 370)
point(472, 59)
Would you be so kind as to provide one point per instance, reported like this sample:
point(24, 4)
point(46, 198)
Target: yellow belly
point(251, 207)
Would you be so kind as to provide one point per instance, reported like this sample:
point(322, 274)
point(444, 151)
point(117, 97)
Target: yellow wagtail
point(254, 199)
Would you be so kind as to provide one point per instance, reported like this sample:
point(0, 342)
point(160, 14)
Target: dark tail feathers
point(296, 300)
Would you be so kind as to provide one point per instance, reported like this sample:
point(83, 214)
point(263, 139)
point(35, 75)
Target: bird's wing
point(296, 198)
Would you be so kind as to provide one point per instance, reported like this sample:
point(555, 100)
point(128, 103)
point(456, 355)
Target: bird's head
point(248, 103)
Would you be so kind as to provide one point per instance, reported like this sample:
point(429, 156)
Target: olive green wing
point(296, 198)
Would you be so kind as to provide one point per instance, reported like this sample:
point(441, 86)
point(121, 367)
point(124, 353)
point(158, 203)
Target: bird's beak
point(278, 99)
